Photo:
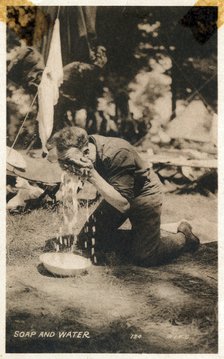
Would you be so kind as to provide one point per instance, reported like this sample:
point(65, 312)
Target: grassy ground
point(168, 309)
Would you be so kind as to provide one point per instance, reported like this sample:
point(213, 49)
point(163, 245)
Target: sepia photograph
point(112, 179)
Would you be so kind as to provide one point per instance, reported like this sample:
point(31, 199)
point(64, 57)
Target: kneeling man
point(130, 189)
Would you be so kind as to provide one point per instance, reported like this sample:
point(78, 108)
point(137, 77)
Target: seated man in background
point(130, 189)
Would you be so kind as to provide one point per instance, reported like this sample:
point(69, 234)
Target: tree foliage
point(153, 53)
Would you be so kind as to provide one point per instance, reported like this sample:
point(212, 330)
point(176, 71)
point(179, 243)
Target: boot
point(192, 242)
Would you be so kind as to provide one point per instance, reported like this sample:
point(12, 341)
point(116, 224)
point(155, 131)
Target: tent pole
point(58, 12)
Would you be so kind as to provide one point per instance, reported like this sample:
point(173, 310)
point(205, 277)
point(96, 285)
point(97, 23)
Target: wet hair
point(69, 137)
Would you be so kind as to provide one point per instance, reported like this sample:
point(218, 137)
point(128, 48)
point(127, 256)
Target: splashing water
point(70, 184)
point(59, 262)
point(69, 188)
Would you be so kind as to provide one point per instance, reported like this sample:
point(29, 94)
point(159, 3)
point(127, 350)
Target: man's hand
point(94, 177)
point(73, 161)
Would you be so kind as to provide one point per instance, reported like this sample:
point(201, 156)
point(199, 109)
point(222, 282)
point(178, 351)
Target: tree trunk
point(173, 91)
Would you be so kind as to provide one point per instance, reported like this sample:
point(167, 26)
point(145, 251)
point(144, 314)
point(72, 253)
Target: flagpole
point(58, 12)
point(34, 99)
point(54, 67)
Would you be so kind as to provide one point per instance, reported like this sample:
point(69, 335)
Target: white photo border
point(220, 354)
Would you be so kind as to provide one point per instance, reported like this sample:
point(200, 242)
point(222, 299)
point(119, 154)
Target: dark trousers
point(142, 245)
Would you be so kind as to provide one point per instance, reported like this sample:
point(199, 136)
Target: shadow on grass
point(116, 338)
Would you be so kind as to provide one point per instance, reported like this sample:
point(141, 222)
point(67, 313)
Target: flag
point(48, 90)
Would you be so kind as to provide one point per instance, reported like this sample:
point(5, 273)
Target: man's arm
point(109, 193)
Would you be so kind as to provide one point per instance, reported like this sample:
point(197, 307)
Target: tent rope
point(187, 101)
point(175, 62)
point(25, 118)
point(196, 92)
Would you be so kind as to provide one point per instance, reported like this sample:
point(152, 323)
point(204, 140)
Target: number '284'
point(135, 336)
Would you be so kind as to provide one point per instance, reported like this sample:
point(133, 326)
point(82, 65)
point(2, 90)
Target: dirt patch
point(167, 309)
